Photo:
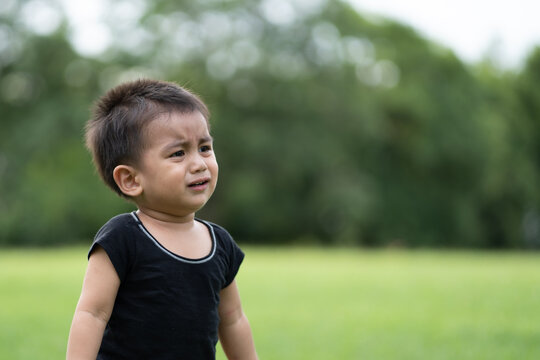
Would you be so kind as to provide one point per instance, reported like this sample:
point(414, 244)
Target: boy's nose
point(198, 164)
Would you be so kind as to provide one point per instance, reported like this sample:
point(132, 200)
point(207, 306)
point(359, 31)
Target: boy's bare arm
point(94, 308)
point(234, 329)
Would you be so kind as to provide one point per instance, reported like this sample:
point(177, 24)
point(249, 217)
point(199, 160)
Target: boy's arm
point(95, 306)
point(234, 330)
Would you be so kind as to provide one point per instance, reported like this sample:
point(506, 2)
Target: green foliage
point(330, 128)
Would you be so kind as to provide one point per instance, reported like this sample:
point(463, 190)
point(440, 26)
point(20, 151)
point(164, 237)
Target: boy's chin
point(171, 213)
point(194, 207)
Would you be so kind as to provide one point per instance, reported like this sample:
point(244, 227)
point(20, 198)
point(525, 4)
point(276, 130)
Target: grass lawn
point(318, 303)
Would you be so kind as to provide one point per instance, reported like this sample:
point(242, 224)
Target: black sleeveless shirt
point(167, 305)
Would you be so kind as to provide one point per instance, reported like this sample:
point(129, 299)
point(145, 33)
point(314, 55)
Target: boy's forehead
point(177, 124)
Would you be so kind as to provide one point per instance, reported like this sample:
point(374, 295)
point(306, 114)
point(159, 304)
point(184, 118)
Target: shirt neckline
point(174, 255)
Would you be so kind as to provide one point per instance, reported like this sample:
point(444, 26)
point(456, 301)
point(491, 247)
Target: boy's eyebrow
point(181, 143)
point(206, 139)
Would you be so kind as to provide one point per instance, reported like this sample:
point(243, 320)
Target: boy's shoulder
point(122, 218)
point(223, 238)
point(213, 225)
point(218, 230)
point(118, 224)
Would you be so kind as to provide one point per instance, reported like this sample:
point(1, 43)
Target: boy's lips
point(199, 182)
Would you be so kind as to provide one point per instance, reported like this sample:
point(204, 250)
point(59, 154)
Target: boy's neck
point(149, 216)
point(182, 236)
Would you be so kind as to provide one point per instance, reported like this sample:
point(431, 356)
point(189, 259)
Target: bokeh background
point(332, 126)
point(368, 166)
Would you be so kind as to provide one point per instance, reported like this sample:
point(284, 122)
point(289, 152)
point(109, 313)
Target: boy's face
point(178, 170)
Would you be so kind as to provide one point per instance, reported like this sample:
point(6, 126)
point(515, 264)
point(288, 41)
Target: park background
point(352, 148)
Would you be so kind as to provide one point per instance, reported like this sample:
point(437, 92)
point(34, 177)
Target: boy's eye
point(178, 153)
point(205, 148)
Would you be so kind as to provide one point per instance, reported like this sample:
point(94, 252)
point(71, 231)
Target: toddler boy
point(160, 283)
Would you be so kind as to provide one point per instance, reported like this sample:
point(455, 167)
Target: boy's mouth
point(199, 182)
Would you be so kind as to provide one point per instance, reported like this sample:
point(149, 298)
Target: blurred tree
point(330, 128)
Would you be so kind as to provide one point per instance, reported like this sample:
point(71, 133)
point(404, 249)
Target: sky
point(472, 28)
point(505, 29)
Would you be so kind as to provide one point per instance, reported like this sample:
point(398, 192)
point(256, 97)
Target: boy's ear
point(125, 177)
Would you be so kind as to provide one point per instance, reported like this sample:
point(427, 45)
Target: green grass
point(318, 303)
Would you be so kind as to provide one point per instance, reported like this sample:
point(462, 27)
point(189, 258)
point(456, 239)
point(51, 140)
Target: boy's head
point(115, 133)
